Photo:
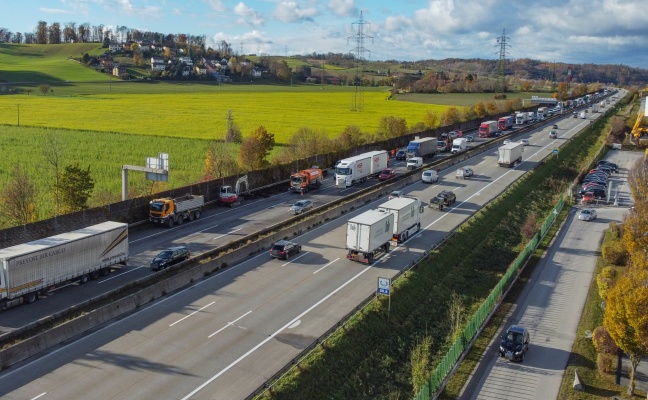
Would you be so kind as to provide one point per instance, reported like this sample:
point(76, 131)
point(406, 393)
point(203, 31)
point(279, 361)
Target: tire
point(440, 207)
point(84, 279)
point(105, 271)
point(386, 247)
point(401, 237)
point(522, 356)
point(191, 216)
point(180, 219)
point(94, 274)
point(30, 297)
point(170, 223)
point(197, 214)
point(370, 258)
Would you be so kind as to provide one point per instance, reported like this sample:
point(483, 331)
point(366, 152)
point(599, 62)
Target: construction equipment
point(307, 179)
point(232, 197)
point(638, 130)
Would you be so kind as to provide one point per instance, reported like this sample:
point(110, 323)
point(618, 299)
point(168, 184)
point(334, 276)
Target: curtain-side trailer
point(29, 269)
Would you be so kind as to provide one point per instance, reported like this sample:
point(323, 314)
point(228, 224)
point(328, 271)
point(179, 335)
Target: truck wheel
point(84, 279)
point(386, 247)
point(94, 274)
point(197, 214)
point(401, 237)
point(370, 258)
point(170, 223)
point(30, 297)
point(440, 207)
point(191, 216)
point(105, 271)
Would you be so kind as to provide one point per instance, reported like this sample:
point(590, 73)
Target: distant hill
point(47, 63)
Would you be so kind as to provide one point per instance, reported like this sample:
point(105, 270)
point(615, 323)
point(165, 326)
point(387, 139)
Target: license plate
point(509, 355)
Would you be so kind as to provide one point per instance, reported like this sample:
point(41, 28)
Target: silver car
point(301, 206)
point(587, 214)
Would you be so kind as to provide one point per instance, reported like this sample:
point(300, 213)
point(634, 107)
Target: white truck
point(168, 211)
point(595, 107)
point(542, 112)
point(583, 115)
point(530, 116)
point(368, 234)
point(357, 169)
point(459, 145)
point(520, 118)
point(29, 269)
point(510, 154)
point(407, 216)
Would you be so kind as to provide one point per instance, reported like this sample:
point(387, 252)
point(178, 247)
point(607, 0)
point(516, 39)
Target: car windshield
point(278, 247)
point(299, 204)
point(165, 255)
point(386, 172)
point(515, 337)
point(343, 171)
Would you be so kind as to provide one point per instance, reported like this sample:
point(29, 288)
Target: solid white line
point(295, 259)
point(118, 275)
point(228, 324)
point(39, 396)
point(228, 233)
point(187, 316)
point(326, 266)
point(272, 336)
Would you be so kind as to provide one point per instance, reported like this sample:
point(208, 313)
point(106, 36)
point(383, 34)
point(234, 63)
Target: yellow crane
point(638, 130)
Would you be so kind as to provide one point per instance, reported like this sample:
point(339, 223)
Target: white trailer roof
point(397, 203)
point(41, 244)
point(370, 217)
point(511, 145)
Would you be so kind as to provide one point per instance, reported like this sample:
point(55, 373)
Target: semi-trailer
point(368, 235)
point(426, 147)
point(361, 167)
point(487, 129)
point(521, 118)
point(407, 216)
point(510, 154)
point(30, 269)
point(505, 123)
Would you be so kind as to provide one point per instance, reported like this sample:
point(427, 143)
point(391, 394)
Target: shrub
point(606, 363)
point(605, 280)
point(530, 226)
point(615, 229)
point(603, 342)
point(614, 253)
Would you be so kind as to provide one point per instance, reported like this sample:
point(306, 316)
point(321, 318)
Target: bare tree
point(54, 150)
point(234, 133)
point(19, 197)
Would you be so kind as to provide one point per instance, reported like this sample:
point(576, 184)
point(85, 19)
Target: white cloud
point(290, 11)
point(216, 5)
point(343, 8)
point(55, 11)
point(248, 15)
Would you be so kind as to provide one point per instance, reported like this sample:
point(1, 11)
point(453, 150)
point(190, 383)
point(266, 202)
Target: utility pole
point(358, 94)
point(18, 106)
point(501, 42)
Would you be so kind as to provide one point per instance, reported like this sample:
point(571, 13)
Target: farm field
point(461, 99)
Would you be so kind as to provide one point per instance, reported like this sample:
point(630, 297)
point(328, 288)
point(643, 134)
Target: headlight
point(517, 353)
point(502, 349)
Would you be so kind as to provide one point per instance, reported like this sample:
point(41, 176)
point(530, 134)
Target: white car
point(507, 141)
point(301, 206)
point(587, 214)
point(395, 194)
point(430, 176)
point(524, 142)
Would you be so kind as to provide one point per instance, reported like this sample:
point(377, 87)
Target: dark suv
point(170, 256)
point(515, 343)
point(284, 249)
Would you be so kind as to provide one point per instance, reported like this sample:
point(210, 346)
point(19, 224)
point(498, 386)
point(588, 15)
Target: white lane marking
point(228, 233)
point(195, 312)
point(39, 396)
point(165, 233)
point(326, 266)
point(272, 336)
point(295, 325)
point(294, 259)
point(228, 324)
point(118, 275)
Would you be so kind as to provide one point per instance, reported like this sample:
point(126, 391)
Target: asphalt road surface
point(223, 337)
point(550, 305)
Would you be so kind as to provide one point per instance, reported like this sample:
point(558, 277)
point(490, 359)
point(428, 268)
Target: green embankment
point(370, 357)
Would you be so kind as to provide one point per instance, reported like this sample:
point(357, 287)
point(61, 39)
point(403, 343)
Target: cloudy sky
point(570, 31)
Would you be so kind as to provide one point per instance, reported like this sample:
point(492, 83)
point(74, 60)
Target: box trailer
point(510, 154)
point(361, 167)
point(407, 216)
point(34, 268)
point(487, 129)
point(368, 234)
point(426, 147)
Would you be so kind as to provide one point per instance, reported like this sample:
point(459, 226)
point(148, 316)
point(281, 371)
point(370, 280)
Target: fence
point(483, 314)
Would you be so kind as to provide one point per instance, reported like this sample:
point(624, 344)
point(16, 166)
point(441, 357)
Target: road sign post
point(384, 287)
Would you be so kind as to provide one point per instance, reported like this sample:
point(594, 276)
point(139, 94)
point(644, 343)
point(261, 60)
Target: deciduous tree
point(19, 198)
point(638, 181)
point(391, 127)
point(351, 137)
point(233, 133)
point(220, 161)
point(450, 116)
point(44, 88)
point(626, 317)
point(75, 187)
point(431, 119)
point(480, 109)
point(255, 148)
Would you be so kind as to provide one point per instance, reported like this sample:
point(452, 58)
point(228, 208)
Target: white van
point(429, 176)
point(459, 145)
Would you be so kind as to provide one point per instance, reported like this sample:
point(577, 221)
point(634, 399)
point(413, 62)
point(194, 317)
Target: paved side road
point(550, 306)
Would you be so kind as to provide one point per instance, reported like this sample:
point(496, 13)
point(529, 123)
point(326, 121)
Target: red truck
point(505, 123)
point(487, 129)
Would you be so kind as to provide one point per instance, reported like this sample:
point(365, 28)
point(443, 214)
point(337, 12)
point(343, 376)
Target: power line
point(358, 94)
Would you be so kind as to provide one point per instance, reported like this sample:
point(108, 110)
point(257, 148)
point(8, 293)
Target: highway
point(224, 336)
point(550, 305)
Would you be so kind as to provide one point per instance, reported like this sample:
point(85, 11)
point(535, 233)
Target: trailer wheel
point(180, 219)
point(94, 274)
point(84, 279)
point(104, 271)
point(30, 297)
point(170, 223)
point(386, 247)
point(370, 258)
point(191, 216)
point(401, 237)
point(197, 214)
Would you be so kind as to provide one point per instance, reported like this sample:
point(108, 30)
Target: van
point(459, 145)
point(414, 162)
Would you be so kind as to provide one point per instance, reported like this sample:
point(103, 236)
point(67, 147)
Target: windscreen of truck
point(157, 206)
point(343, 171)
point(296, 180)
point(413, 147)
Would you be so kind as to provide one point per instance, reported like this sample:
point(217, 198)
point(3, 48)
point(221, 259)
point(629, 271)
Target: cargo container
point(510, 154)
point(361, 167)
point(30, 269)
point(369, 234)
point(407, 216)
point(505, 123)
point(426, 147)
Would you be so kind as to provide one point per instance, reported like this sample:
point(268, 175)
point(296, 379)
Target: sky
point(568, 31)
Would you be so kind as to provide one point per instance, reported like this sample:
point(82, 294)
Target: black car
point(401, 154)
point(284, 249)
point(170, 256)
point(515, 343)
point(608, 164)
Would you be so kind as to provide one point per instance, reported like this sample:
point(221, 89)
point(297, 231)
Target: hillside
point(50, 63)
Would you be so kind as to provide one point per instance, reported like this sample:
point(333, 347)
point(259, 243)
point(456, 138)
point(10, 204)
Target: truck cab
point(414, 162)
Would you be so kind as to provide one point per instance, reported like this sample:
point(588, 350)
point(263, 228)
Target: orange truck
point(307, 179)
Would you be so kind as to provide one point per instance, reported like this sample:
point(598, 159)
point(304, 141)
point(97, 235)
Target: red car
point(387, 174)
point(587, 198)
